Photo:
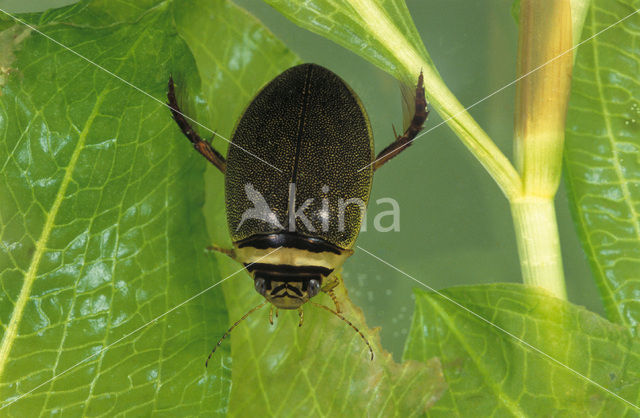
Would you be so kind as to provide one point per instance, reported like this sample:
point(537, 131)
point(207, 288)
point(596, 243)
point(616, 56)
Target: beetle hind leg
point(403, 141)
point(203, 147)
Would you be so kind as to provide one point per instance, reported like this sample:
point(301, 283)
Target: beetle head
point(287, 294)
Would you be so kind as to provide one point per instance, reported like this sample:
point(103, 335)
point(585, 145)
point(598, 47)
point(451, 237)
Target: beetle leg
point(271, 315)
point(229, 252)
point(328, 289)
point(334, 298)
point(402, 142)
point(301, 313)
point(332, 282)
point(203, 147)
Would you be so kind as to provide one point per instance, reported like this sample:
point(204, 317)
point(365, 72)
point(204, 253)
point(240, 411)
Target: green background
point(455, 225)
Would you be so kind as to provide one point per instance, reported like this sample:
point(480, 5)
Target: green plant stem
point(536, 229)
point(542, 97)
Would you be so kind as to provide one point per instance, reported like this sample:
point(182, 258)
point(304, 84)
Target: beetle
point(301, 149)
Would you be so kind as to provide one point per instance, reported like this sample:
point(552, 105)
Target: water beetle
point(293, 222)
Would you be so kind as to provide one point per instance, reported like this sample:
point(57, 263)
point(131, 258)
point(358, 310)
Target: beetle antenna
point(348, 322)
point(255, 308)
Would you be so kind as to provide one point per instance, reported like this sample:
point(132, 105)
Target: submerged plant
point(109, 304)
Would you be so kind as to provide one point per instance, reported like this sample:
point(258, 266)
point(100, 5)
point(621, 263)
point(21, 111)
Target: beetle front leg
point(229, 252)
point(402, 142)
point(203, 147)
point(334, 298)
point(328, 289)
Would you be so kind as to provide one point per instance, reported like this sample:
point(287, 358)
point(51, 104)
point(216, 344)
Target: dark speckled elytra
point(293, 227)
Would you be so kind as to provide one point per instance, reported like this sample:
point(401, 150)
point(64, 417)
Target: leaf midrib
point(11, 333)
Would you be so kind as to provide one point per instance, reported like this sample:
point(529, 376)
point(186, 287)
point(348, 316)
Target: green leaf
point(322, 368)
point(493, 374)
point(100, 222)
point(601, 155)
point(381, 31)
